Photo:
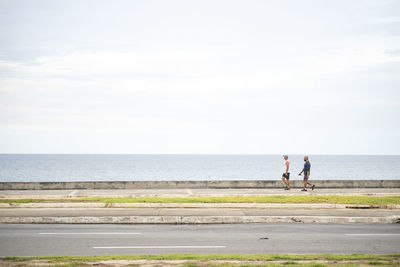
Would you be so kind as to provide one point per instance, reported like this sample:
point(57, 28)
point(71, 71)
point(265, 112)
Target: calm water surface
point(61, 167)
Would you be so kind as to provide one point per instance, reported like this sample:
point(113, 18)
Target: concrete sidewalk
point(74, 212)
point(196, 215)
point(11, 194)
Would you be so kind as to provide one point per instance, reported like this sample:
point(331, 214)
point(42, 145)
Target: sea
point(162, 167)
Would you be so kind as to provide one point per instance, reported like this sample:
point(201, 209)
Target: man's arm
point(302, 170)
point(287, 167)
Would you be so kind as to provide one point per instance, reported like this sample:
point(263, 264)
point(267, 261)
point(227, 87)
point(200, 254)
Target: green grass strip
point(205, 257)
point(332, 199)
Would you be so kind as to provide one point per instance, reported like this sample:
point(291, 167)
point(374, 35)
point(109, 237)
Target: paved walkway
point(73, 212)
point(83, 213)
point(191, 192)
point(193, 213)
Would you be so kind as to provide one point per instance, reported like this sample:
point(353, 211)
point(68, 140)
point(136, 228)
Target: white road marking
point(159, 247)
point(370, 234)
point(93, 233)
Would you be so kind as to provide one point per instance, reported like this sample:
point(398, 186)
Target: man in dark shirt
point(306, 171)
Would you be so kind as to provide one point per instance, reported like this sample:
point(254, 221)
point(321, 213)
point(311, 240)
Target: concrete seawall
point(194, 184)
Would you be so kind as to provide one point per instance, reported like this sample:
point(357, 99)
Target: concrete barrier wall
point(194, 184)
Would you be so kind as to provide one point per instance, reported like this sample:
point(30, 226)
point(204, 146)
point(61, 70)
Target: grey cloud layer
point(200, 76)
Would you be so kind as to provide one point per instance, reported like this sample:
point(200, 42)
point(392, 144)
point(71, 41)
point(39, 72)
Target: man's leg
point(305, 181)
point(312, 186)
point(284, 181)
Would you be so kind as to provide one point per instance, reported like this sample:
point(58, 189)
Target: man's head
point(285, 157)
point(305, 158)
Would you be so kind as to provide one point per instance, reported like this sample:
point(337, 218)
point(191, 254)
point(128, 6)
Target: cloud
point(83, 87)
point(395, 52)
point(222, 75)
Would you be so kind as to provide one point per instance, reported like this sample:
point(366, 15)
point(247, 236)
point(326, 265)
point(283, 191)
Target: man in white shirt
point(286, 174)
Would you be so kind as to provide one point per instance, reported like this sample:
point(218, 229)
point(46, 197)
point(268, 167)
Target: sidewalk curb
point(199, 220)
point(196, 205)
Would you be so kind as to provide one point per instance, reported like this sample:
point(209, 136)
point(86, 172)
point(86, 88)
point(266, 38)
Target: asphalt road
point(35, 240)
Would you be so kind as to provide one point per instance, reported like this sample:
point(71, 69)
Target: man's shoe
point(305, 190)
point(287, 188)
point(312, 187)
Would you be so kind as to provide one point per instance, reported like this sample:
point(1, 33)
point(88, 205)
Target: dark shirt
point(307, 167)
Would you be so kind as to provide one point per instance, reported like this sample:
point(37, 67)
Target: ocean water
point(111, 167)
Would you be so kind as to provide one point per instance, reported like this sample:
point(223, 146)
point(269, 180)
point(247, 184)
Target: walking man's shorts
point(286, 175)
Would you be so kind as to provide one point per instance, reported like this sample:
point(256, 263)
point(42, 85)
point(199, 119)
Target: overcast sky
point(251, 77)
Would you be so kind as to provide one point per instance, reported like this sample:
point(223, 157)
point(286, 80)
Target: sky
point(200, 77)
